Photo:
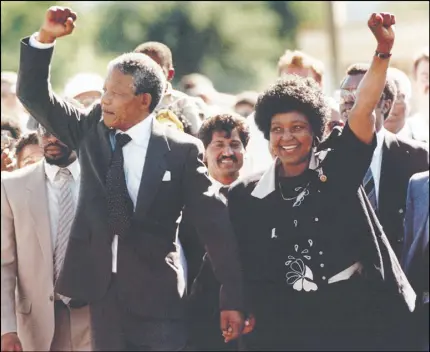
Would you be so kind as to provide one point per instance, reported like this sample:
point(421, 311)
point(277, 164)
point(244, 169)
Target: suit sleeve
point(8, 266)
point(59, 117)
point(211, 220)
point(408, 226)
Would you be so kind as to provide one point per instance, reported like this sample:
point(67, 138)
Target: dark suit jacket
point(148, 258)
point(401, 158)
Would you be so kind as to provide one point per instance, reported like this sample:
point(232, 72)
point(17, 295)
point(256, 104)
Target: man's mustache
point(56, 144)
point(233, 158)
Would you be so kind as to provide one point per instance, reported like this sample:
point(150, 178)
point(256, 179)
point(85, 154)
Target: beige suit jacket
point(27, 289)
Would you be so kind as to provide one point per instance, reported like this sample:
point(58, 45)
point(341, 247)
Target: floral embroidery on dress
point(299, 274)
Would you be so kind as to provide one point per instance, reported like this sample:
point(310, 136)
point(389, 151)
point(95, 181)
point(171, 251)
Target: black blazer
point(148, 258)
point(401, 158)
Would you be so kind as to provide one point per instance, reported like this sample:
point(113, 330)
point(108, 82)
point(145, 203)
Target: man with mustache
point(225, 138)
point(394, 161)
point(38, 203)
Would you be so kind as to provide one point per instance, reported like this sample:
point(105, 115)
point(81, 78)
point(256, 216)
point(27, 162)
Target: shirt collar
point(141, 131)
point(266, 185)
point(379, 140)
point(216, 183)
point(52, 170)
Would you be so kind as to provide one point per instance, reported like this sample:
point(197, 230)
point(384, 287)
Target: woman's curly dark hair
point(293, 93)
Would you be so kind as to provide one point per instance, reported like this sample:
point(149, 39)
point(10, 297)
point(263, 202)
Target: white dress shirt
point(376, 163)
point(134, 153)
point(53, 189)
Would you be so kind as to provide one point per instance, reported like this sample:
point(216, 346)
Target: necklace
point(299, 198)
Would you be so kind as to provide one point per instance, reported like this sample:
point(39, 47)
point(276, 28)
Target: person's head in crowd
point(10, 131)
point(86, 88)
point(292, 114)
point(421, 72)
point(245, 103)
point(10, 103)
point(161, 54)
point(402, 103)
point(28, 150)
point(55, 152)
point(301, 64)
point(335, 118)
point(198, 85)
point(348, 94)
point(225, 138)
point(133, 88)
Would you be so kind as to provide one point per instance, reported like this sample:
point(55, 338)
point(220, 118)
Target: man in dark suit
point(137, 175)
point(415, 255)
point(394, 161)
point(225, 138)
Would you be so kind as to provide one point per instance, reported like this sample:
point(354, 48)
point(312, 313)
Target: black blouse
point(292, 243)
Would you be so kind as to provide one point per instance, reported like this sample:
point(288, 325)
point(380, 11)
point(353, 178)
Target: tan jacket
point(26, 258)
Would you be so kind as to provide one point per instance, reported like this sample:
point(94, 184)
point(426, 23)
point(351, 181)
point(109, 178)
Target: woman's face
point(291, 139)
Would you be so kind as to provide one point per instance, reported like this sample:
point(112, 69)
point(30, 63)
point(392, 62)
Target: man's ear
point(171, 74)
point(145, 100)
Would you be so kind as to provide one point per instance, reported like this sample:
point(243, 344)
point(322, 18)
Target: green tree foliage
point(236, 44)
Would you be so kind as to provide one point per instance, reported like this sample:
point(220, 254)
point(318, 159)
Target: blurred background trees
point(236, 44)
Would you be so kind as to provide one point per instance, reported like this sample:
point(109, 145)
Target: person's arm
point(210, 217)
point(9, 338)
point(34, 89)
point(361, 118)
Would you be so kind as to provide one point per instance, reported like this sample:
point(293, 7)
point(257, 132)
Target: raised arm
point(61, 118)
point(362, 118)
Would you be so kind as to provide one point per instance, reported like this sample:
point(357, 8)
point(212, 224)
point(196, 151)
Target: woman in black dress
point(315, 277)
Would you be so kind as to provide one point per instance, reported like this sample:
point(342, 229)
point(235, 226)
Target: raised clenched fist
point(382, 27)
point(59, 21)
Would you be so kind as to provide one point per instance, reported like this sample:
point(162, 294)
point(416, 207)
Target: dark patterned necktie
point(119, 203)
point(369, 187)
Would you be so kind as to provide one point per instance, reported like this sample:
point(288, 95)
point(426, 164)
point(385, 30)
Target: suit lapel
point(106, 147)
point(37, 202)
point(388, 169)
point(422, 212)
point(153, 170)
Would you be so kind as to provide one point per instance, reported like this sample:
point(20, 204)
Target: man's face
point(422, 77)
point(224, 156)
point(121, 108)
point(54, 151)
point(28, 155)
point(399, 112)
point(348, 94)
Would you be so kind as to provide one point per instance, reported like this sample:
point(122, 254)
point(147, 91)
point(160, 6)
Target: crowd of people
point(140, 217)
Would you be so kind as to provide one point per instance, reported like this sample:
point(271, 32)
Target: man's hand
point(249, 324)
point(59, 21)
point(10, 343)
point(382, 27)
point(231, 324)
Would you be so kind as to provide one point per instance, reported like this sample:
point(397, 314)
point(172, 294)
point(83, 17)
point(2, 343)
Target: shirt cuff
point(38, 45)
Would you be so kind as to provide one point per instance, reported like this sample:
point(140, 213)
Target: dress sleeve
point(346, 164)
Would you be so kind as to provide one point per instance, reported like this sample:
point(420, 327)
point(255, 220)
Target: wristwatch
point(382, 55)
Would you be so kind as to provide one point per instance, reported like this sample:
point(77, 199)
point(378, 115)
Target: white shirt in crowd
point(53, 189)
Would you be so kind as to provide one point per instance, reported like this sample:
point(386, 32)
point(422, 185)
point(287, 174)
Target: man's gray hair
point(402, 80)
point(147, 75)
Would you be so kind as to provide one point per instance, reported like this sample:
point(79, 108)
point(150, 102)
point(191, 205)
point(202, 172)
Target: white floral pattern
point(300, 276)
